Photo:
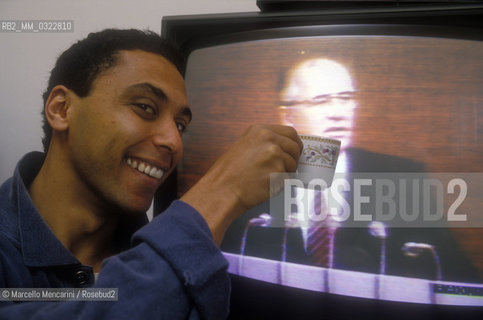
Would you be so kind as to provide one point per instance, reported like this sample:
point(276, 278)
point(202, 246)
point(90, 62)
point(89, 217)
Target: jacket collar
point(40, 246)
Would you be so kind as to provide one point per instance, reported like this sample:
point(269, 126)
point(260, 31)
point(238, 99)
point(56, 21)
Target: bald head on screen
point(318, 98)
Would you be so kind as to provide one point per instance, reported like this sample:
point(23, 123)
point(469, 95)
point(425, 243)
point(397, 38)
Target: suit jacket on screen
point(355, 248)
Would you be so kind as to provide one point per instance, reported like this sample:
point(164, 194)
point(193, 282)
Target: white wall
point(27, 58)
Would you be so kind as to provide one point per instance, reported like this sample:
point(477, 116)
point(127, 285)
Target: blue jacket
point(172, 270)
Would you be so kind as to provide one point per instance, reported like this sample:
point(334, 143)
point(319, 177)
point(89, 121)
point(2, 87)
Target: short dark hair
point(78, 67)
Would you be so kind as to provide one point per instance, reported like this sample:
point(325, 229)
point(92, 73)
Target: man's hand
point(240, 178)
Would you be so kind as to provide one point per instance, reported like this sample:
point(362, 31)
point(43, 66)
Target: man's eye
point(181, 127)
point(146, 108)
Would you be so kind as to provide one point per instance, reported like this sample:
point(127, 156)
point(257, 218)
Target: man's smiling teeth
point(145, 168)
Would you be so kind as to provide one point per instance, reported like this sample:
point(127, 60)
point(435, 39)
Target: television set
point(404, 83)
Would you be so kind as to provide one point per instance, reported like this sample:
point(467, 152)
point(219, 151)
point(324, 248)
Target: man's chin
point(345, 139)
point(131, 208)
point(139, 210)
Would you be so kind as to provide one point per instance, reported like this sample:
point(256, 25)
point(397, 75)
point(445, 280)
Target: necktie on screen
point(318, 235)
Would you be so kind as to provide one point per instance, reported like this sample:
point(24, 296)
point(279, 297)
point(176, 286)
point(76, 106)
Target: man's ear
point(57, 108)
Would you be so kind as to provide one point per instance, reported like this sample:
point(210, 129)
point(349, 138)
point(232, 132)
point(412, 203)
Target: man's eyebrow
point(187, 112)
point(158, 92)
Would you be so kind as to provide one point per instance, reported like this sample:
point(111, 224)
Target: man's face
point(318, 100)
point(131, 121)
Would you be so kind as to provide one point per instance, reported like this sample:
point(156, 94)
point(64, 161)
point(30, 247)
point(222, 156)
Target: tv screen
point(406, 101)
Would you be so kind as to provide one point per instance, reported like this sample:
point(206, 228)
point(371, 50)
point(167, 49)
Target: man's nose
point(338, 112)
point(166, 135)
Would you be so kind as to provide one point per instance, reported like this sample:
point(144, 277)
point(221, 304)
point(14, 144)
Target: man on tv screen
point(319, 97)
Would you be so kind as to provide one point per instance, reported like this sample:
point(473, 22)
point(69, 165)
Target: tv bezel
point(191, 32)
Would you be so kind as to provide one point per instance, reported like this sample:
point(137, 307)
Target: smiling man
point(114, 114)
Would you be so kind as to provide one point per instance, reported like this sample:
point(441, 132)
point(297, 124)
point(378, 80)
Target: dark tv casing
point(196, 31)
point(462, 20)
